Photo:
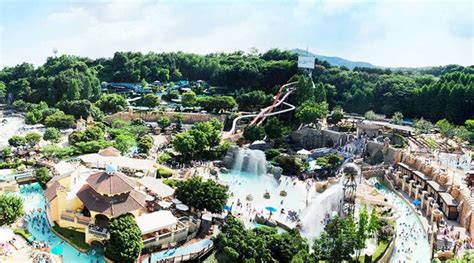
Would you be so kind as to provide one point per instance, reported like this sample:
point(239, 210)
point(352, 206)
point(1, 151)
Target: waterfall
point(250, 161)
point(320, 209)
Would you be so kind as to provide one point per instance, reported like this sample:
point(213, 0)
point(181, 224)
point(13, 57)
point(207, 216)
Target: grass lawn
point(77, 238)
point(22, 232)
point(382, 246)
point(380, 250)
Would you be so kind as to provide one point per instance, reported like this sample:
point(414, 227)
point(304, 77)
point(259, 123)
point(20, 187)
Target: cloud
point(388, 33)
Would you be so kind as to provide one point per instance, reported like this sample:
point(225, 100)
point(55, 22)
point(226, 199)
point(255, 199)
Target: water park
point(187, 171)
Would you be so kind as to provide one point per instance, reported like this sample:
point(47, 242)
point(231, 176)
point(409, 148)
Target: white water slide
point(259, 118)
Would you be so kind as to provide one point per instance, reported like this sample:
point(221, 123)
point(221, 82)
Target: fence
point(187, 257)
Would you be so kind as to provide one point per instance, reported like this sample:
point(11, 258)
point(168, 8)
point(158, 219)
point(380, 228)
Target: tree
point(423, 126)
point(469, 125)
point(43, 176)
point(145, 144)
point(59, 120)
point(80, 108)
point(397, 118)
point(91, 133)
point(374, 223)
point(6, 151)
point(211, 130)
point(254, 133)
point(52, 134)
point(124, 142)
point(17, 141)
point(336, 116)
point(164, 122)
point(185, 144)
point(202, 194)
point(125, 243)
point(188, 99)
point(11, 208)
point(370, 115)
point(461, 133)
point(217, 103)
point(150, 100)
point(235, 243)
point(362, 229)
point(310, 112)
point(3, 92)
point(32, 138)
point(274, 129)
point(179, 121)
point(111, 103)
point(254, 100)
point(338, 242)
point(445, 128)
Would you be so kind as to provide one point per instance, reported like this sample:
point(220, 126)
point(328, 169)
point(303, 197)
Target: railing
point(163, 236)
point(188, 257)
point(83, 221)
point(67, 218)
point(149, 241)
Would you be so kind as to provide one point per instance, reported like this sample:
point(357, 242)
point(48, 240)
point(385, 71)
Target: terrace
point(162, 227)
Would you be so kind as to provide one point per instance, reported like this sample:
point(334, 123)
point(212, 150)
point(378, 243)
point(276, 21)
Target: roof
point(404, 165)
point(111, 206)
point(64, 167)
point(149, 223)
point(109, 151)
point(437, 187)
point(98, 160)
point(51, 192)
point(448, 199)
point(157, 186)
point(421, 175)
point(115, 183)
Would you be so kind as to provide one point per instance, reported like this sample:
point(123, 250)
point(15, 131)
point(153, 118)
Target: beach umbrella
point(271, 209)
point(228, 208)
point(182, 207)
point(6, 234)
point(57, 250)
point(164, 204)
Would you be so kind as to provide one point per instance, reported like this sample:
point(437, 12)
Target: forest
point(444, 92)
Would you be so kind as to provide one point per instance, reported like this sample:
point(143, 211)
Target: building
point(431, 194)
point(86, 200)
point(130, 166)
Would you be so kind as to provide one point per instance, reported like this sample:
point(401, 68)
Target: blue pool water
point(184, 250)
point(33, 198)
point(411, 244)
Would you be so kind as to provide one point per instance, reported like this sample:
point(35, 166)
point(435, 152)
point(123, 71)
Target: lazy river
point(38, 226)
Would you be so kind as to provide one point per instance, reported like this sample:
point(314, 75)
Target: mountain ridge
point(335, 61)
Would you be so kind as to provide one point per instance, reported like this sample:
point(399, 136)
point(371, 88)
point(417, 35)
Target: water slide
point(285, 91)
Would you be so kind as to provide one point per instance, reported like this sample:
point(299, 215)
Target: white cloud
point(388, 33)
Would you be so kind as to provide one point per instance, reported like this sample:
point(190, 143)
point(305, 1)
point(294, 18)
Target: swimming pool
point(38, 226)
point(242, 184)
point(412, 243)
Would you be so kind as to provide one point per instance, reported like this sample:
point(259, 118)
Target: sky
point(391, 33)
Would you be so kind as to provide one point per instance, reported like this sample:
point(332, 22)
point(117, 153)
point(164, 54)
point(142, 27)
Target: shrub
point(272, 153)
point(164, 172)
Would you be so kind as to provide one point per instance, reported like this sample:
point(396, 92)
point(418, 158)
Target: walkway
point(183, 253)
